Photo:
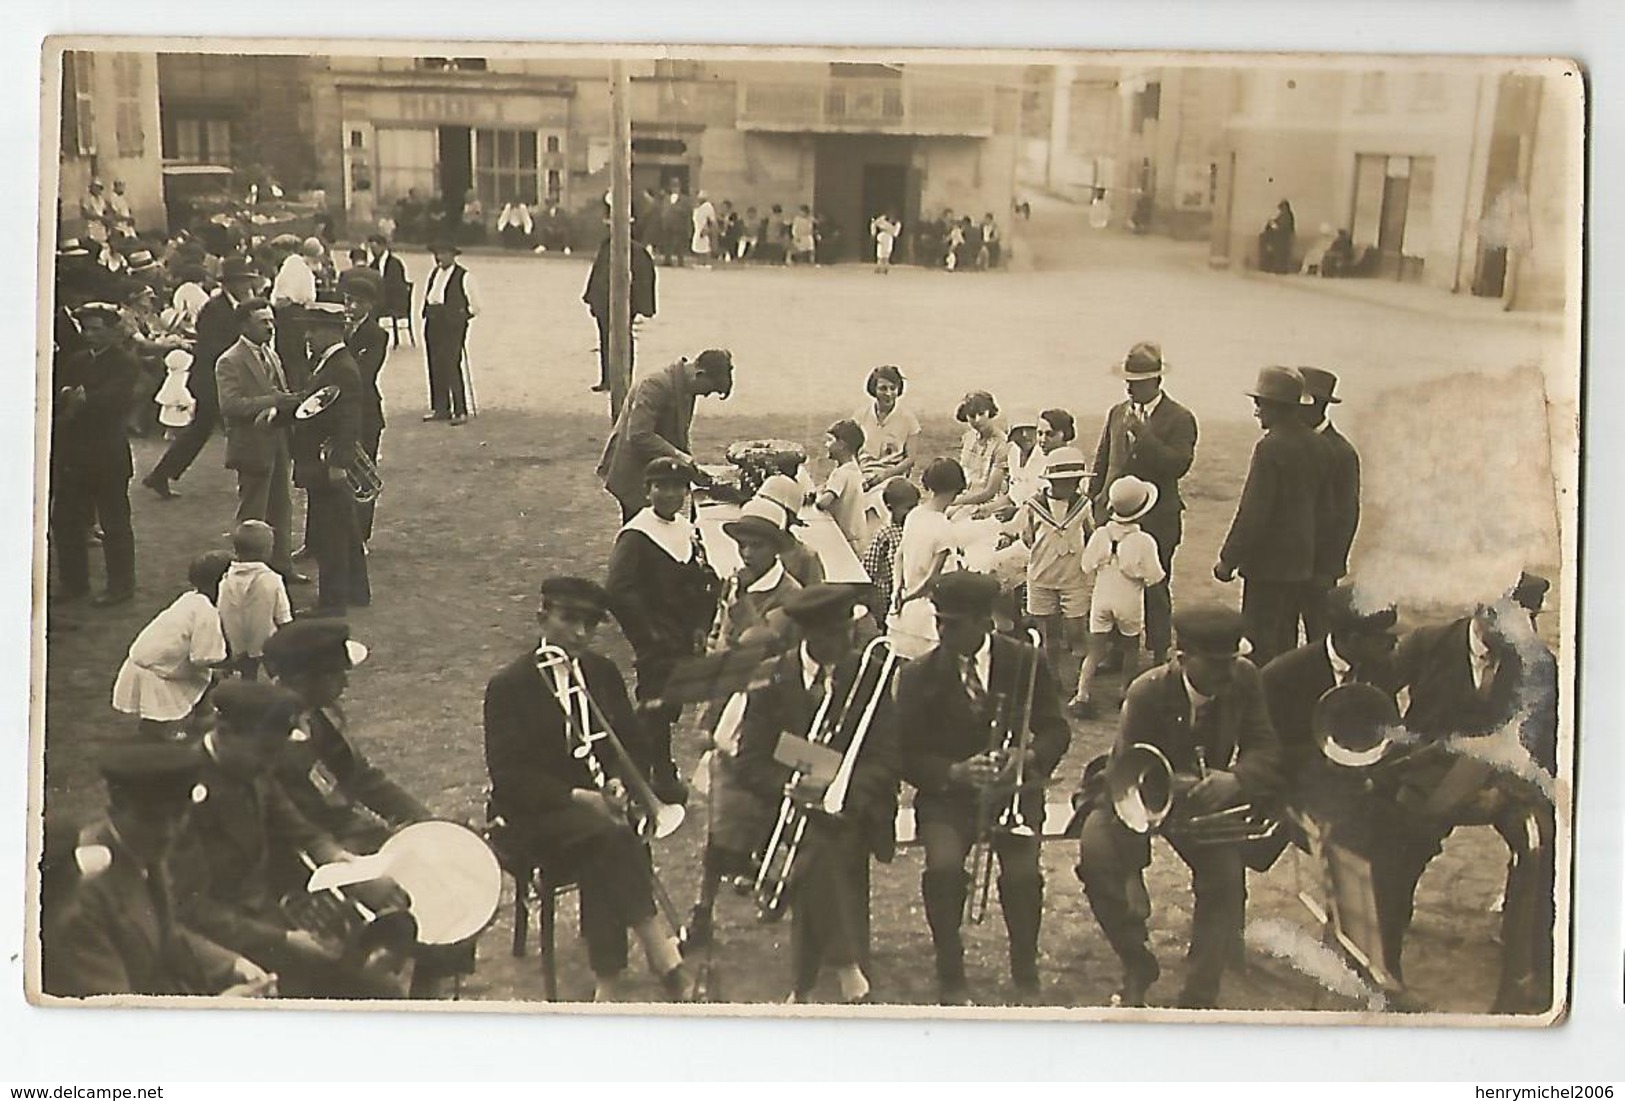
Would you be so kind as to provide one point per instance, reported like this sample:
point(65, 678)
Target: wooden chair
point(532, 886)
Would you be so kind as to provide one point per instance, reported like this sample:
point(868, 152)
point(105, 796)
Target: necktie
point(975, 690)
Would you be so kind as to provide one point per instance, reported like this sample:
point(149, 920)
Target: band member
point(800, 561)
point(755, 595)
point(1271, 543)
point(450, 302)
point(946, 708)
point(1474, 679)
point(1205, 712)
point(829, 885)
point(324, 448)
point(1337, 516)
point(553, 812)
point(117, 931)
point(363, 294)
point(663, 594)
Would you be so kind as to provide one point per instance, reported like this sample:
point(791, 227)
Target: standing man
point(655, 422)
point(450, 301)
point(1204, 711)
point(363, 293)
point(218, 327)
point(946, 707)
point(90, 458)
point(255, 404)
point(641, 300)
point(323, 450)
point(1152, 437)
point(1337, 515)
point(1272, 537)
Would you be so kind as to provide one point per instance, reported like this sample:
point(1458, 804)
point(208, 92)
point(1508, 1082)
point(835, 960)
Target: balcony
point(864, 106)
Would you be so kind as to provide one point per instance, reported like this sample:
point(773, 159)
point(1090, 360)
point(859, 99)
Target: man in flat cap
point(946, 703)
point(1204, 712)
point(120, 933)
point(1337, 512)
point(1271, 542)
point(552, 811)
point(828, 885)
point(1152, 437)
point(90, 458)
point(655, 420)
point(324, 450)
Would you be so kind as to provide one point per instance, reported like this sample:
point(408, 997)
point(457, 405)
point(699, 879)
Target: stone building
point(110, 131)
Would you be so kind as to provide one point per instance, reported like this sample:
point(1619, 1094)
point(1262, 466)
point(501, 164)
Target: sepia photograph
point(779, 531)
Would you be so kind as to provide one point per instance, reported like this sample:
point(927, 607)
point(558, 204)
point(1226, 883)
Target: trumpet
point(1140, 783)
point(779, 857)
point(1006, 737)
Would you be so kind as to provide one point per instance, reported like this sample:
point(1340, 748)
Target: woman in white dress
point(891, 433)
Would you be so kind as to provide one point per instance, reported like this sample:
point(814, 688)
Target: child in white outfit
point(253, 598)
point(171, 662)
point(1124, 560)
point(176, 405)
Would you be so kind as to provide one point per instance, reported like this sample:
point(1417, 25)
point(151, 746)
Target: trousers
point(267, 495)
point(1159, 602)
point(1270, 611)
point(830, 906)
point(335, 541)
point(184, 449)
point(443, 338)
point(944, 885)
point(79, 499)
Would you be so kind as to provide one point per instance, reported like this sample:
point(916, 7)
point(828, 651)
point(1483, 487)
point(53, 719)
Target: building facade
point(110, 131)
point(251, 113)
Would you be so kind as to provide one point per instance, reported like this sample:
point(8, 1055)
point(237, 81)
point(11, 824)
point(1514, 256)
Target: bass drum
point(452, 876)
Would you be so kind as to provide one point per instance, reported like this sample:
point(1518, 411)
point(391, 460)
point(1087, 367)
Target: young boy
point(899, 496)
point(929, 541)
point(842, 495)
point(1054, 525)
point(1125, 561)
point(885, 229)
point(253, 598)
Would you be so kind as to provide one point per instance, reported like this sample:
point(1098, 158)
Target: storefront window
point(505, 168)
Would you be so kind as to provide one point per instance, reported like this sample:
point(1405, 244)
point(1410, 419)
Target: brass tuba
point(1141, 783)
point(1354, 724)
point(360, 471)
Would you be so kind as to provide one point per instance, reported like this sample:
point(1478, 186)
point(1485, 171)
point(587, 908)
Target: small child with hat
point(171, 663)
point(1124, 560)
point(1055, 525)
point(253, 598)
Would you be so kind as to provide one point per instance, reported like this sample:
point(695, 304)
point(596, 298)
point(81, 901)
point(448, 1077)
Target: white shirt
point(846, 485)
point(295, 283)
point(1342, 671)
point(253, 604)
point(811, 671)
point(1148, 408)
point(982, 662)
point(768, 581)
point(1026, 478)
point(436, 294)
point(1483, 662)
point(1198, 701)
point(167, 670)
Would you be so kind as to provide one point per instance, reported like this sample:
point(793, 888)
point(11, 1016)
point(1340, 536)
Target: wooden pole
point(620, 240)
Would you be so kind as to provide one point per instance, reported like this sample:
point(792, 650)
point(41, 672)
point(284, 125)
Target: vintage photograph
point(786, 531)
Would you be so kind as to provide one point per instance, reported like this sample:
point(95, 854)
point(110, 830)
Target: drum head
point(452, 876)
point(316, 403)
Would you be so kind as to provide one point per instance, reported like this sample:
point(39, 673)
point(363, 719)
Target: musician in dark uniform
point(947, 703)
point(1337, 514)
point(110, 926)
point(1205, 712)
point(1485, 678)
point(552, 812)
point(367, 342)
point(829, 885)
point(323, 449)
point(90, 458)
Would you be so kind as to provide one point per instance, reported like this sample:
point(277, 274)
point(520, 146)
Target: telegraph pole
point(620, 239)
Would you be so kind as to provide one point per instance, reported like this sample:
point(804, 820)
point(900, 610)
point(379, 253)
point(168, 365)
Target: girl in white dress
point(171, 662)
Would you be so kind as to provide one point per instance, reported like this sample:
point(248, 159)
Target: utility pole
point(620, 239)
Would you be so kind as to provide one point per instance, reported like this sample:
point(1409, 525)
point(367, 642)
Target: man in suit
point(256, 406)
point(828, 885)
point(1152, 437)
point(655, 422)
point(1204, 711)
point(218, 327)
point(90, 458)
point(117, 931)
point(641, 300)
point(368, 343)
point(396, 300)
point(1337, 515)
point(450, 301)
point(553, 811)
point(947, 704)
point(1271, 542)
point(324, 448)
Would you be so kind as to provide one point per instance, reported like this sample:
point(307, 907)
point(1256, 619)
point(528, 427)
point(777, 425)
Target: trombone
point(779, 856)
point(1005, 737)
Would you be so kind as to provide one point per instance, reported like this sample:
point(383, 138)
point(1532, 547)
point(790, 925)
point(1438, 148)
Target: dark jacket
point(369, 346)
point(654, 422)
point(88, 438)
point(1162, 454)
point(329, 438)
point(335, 787)
point(247, 388)
point(642, 297)
point(938, 728)
point(217, 330)
point(1293, 684)
point(1272, 537)
point(1337, 516)
point(663, 606)
point(784, 706)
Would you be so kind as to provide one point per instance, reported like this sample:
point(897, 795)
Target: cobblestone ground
point(472, 519)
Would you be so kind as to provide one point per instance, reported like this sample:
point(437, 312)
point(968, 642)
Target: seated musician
point(786, 494)
point(1482, 679)
point(553, 812)
point(828, 887)
point(109, 924)
point(947, 703)
point(1204, 711)
point(753, 613)
point(223, 865)
point(328, 778)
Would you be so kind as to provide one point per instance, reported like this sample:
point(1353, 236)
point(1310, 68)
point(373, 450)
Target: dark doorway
point(1396, 195)
point(456, 169)
point(854, 177)
point(885, 190)
point(657, 177)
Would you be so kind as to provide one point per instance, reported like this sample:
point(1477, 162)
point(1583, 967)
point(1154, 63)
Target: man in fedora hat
point(1152, 437)
point(1271, 542)
point(946, 702)
point(1338, 514)
point(640, 299)
point(1204, 712)
point(655, 421)
point(324, 448)
point(450, 301)
point(756, 593)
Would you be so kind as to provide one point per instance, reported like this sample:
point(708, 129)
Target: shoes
point(294, 577)
point(302, 554)
point(1137, 980)
point(679, 984)
point(458, 420)
point(1081, 709)
point(668, 786)
point(1029, 993)
point(955, 993)
point(1189, 999)
point(697, 933)
point(112, 597)
point(436, 416)
point(160, 486)
point(601, 388)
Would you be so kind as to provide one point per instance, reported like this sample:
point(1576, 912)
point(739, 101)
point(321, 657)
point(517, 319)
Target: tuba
point(1009, 733)
point(360, 471)
point(1140, 782)
point(869, 686)
point(1353, 725)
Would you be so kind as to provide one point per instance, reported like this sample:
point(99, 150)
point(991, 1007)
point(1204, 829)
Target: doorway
point(456, 169)
point(885, 190)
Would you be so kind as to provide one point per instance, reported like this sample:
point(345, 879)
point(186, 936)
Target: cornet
point(1010, 734)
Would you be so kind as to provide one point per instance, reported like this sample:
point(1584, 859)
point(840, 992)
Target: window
point(1147, 105)
point(78, 112)
point(505, 167)
point(451, 64)
point(552, 143)
point(132, 138)
point(406, 161)
point(199, 141)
